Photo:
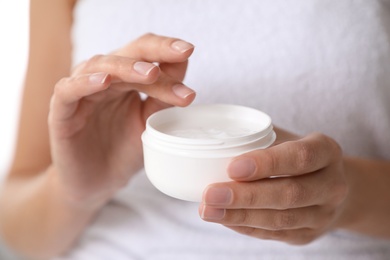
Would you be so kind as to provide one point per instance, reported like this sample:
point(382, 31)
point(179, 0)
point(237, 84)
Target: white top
point(312, 65)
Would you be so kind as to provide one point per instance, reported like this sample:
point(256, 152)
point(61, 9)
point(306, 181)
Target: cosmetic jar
point(186, 149)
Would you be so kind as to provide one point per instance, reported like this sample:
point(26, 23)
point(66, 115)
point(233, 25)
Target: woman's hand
point(97, 116)
point(293, 191)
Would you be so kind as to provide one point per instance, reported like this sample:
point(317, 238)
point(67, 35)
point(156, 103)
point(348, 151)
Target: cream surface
point(217, 132)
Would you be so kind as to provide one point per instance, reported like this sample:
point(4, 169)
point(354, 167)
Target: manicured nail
point(242, 168)
point(218, 196)
point(97, 78)
point(209, 213)
point(182, 91)
point(143, 68)
point(181, 46)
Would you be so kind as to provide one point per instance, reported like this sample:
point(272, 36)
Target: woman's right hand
point(97, 117)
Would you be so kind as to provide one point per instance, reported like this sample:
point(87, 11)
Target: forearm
point(367, 209)
point(38, 219)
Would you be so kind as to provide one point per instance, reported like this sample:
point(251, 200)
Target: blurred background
point(14, 18)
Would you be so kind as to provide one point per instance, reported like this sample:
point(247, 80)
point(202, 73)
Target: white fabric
point(313, 65)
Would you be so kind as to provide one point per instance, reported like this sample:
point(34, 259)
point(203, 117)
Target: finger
point(68, 91)
point(283, 136)
point(307, 217)
point(121, 69)
point(274, 193)
point(155, 48)
point(171, 53)
point(175, 70)
point(301, 236)
point(308, 154)
point(126, 70)
point(152, 105)
point(166, 89)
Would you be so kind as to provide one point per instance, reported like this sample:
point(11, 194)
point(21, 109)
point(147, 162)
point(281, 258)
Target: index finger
point(302, 156)
point(155, 48)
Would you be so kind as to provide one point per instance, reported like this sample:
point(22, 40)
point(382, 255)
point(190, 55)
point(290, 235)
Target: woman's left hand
point(293, 191)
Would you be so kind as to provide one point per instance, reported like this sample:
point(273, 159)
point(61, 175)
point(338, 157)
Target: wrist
point(366, 209)
point(81, 200)
point(348, 215)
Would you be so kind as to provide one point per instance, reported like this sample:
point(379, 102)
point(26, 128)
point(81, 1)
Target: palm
point(106, 150)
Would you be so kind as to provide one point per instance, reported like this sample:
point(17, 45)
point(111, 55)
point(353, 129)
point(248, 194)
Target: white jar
point(186, 149)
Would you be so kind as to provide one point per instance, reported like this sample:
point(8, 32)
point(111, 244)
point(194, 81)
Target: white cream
point(212, 132)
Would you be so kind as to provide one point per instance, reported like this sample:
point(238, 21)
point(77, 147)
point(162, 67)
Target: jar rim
point(205, 115)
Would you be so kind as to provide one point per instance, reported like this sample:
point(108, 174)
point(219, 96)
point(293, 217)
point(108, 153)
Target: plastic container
point(186, 149)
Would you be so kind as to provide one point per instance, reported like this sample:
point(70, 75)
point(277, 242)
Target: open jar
point(186, 149)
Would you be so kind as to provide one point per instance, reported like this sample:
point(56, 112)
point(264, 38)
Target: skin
point(317, 190)
point(79, 143)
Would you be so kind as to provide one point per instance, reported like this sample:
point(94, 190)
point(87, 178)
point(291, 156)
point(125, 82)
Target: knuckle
point(98, 58)
point(268, 164)
point(59, 87)
point(284, 219)
point(146, 36)
point(141, 42)
point(306, 156)
point(242, 217)
point(335, 148)
point(76, 69)
point(330, 144)
point(294, 194)
point(249, 198)
point(168, 41)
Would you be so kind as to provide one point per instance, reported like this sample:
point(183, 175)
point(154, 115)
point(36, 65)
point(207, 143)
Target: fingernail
point(209, 213)
point(143, 68)
point(242, 168)
point(97, 78)
point(181, 46)
point(218, 196)
point(182, 91)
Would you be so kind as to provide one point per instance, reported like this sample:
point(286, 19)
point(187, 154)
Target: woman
point(75, 190)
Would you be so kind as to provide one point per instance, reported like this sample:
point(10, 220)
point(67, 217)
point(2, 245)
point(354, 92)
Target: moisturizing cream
point(186, 149)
